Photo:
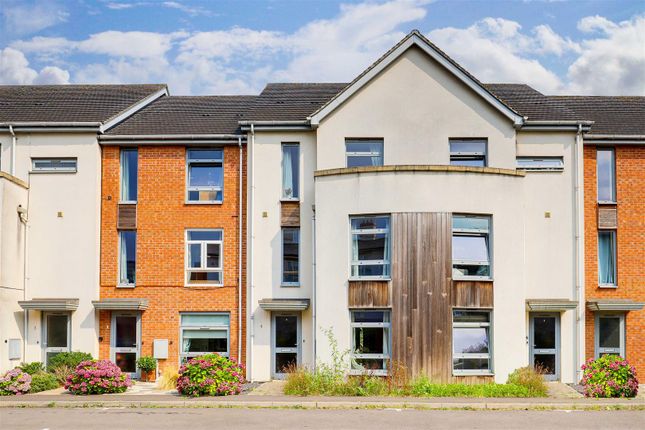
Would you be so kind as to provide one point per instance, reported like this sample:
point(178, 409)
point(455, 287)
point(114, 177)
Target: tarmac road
point(266, 419)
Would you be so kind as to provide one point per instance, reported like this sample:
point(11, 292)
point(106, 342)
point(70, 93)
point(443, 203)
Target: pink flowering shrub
point(609, 376)
point(210, 375)
point(97, 377)
point(15, 382)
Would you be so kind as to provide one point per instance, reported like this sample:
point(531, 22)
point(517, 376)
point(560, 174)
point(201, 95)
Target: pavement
point(269, 419)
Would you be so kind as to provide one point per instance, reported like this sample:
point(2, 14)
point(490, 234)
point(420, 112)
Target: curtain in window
point(186, 345)
point(123, 276)
point(355, 252)
point(125, 177)
point(376, 148)
point(606, 256)
point(287, 173)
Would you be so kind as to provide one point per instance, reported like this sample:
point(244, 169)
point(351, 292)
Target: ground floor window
point(204, 333)
point(56, 336)
point(610, 334)
point(370, 341)
point(471, 347)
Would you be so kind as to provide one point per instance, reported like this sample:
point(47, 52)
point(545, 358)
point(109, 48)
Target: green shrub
point(423, 387)
point(609, 376)
point(32, 368)
point(147, 364)
point(43, 381)
point(210, 375)
point(531, 378)
point(63, 364)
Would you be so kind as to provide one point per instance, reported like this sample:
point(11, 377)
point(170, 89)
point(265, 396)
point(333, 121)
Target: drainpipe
point(239, 258)
point(24, 218)
point(13, 150)
point(251, 286)
point(580, 347)
point(313, 282)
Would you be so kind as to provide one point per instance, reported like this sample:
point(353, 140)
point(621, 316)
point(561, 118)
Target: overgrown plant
point(97, 377)
point(33, 367)
point(43, 381)
point(168, 379)
point(210, 375)
point(63, 364)
point(530, 377)
point(609, 376)
point(15, 382)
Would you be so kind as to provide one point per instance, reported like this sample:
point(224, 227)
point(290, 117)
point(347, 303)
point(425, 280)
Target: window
point(471, 247)
point(610, 334)
point(290, 256)
point(370, 247)
point(129, 161)
point(540, 164)
point(607, 257)
point(205, 175)
point(471, 348)
point(204, 257)
point(54, 165)
point(370, 341)
point(606, 171)
point(57, 334)
point(203, 333)
point(290, 171)
point(468, 152)
point(364, 152)
point(127, 257)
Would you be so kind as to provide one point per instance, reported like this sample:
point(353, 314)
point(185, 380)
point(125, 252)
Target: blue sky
point(233, 47)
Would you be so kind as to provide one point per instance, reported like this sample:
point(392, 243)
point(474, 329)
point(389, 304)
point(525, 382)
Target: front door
point(126, 334)
point(286, 343)
point(545, 344)
point(56, 334)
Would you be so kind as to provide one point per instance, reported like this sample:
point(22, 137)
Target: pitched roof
point(615, 115)
point(291, 101)
point(69, 103)
point(187, 115)
point(533, 104)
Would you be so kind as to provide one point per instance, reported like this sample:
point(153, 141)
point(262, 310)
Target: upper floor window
point(205, 175)
point(364, 152)
point(290, 256)
point(129, 168)
point(127, 257)
point(540, 164)
point(204, 257)
point(607, 258)
point(606, 172)
point(370, 247)
point(471, 247)
point(468, 152)
point(54, 165)
point(290, 171)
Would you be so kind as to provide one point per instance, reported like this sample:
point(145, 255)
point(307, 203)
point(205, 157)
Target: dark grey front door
point(545, 344)
point(286, 343)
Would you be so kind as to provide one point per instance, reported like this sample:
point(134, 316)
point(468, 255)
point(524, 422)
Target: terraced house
point(416, 217)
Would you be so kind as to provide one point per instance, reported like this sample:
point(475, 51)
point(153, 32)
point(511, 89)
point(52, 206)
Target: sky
point(236, 47)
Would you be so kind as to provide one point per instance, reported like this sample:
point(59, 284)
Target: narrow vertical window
point(290, 171)
point(205, 175)
point(606, 172)
point(370, 247)
point(371, 341)
point(468, 152)
point(127, 257)
point(607, 257)
point(364, 152)
point(290, 256)
point(471, 247)
point(129, 169)
point(204, 257)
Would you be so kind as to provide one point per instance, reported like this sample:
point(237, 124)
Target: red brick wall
point(630, 195)
point(162, 218)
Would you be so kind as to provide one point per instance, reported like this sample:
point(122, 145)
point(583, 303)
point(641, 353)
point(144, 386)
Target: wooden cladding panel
point(421, 294)
point(369, 294)
point(467, 294)
point(607, 217)
point(290, 214)
point(127, 216)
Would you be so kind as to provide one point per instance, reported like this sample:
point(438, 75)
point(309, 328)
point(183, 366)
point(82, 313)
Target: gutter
point(39, 126)
point(163, 137)
point(275, 125)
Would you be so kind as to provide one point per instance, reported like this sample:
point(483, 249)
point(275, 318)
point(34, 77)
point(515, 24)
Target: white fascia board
point(315, 119)
point(132, 109)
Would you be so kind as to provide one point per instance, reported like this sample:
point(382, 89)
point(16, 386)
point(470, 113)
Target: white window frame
point(489, 329)
point(613, 179)
point(597, 349)
point(540, 164)
point(54, 168)
point(185, 356)
point(386, 263)
point(385, 325)
point(283, 282)
point(198, 161)
point(486, 233)
point(122, 154)
point(468, 155)
point(285, 197)
point(614, 251)
point(370, 154)
point(204, 245)
point(45, 328)
point(127, 284)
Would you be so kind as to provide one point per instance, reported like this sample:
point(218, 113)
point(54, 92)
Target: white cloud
point(548, 41)
point(14, 69)
point(30, 17)
point(135, 44)
point(612, 63)
point(190, 10)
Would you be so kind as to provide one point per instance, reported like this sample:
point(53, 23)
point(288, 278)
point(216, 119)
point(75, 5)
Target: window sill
point(370, 278)
point(40, 172)
point(473, 278)
point(203, 286)
point(126, 286)
point(285, 199)
point(127, 202)
point(608, 286)
point(607, 203)
point(290, 285)
point(209, 202)
point(466, 373)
